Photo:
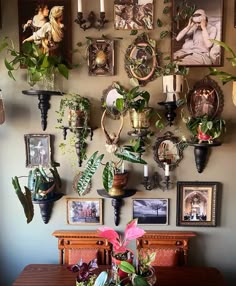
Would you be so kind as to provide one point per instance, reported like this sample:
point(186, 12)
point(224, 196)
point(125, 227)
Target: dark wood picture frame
point(184, 47)
point(151, 211)
point(27, 10)
point(197, 203)
point(205, 98)
point(101, 58)
point(38, 150)
point(84, 211)
point(133, 14)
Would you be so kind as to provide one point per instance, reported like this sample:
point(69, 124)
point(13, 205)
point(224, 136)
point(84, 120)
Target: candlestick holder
point(166, 183)
point(92, 21)
point(150, 183)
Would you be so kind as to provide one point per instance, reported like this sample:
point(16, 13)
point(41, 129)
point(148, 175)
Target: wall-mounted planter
point(47, 205)
point(201, 151)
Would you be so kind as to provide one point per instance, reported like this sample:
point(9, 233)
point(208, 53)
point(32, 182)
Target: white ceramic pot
point(173, 85)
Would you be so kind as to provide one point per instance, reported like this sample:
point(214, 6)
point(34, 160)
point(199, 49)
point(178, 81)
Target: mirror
point(108, 100)
point(141, 59)
point(166, 150)
point(206, 98)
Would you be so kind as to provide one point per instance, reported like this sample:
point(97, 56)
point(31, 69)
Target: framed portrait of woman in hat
point(47, 24)
point(195, 24)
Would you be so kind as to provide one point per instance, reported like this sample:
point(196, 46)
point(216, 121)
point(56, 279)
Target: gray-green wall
point(21, 244)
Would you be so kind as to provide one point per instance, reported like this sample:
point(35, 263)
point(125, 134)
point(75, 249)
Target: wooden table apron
point(59, 275)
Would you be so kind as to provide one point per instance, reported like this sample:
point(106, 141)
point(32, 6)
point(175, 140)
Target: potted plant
point(137, 102)
point(40, 66)
point(205, 129)
point(76, 109)
point(41, 189)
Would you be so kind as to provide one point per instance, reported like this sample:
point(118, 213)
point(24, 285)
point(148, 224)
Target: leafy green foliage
point(90, 169)
point(224, 76)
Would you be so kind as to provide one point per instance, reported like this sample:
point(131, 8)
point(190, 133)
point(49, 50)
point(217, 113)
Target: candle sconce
point(166, 183)
point(150, 182)
point(92, 21)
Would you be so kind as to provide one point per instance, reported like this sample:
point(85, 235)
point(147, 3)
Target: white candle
point(123, 167)
point(145, 170)
point(167, 170)
point(79, 5)
point(102, 7)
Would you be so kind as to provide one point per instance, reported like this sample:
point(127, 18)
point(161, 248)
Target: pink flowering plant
point(120, 244)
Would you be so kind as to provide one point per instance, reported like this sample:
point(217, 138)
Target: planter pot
point(172, 86)
point(119, 182)
point(151, 277)
point(77, 118)
point(118, 274)
point(45, 191)
point(39, 81)
point(140, 120)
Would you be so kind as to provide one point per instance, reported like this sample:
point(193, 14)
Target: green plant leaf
point(63, 70)
point(133, 32)
point(92, 165)
point(159, 23)
point(126, 267)
point(130, 157)
point(140, 281)
point(108, 176)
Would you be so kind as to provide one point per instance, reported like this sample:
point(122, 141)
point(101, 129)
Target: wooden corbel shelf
point(44, 98)
point(201, 153)
point(117, 201)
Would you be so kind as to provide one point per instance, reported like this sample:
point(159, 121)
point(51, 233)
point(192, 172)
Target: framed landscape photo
point(84, 211)
point(38, 150)
point(195, 23)
point(197, 203)
point(133, 14)
point(151, 211)
point(49, 24)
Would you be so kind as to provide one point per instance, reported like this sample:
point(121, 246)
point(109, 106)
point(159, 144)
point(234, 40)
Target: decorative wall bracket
point(44, 105)
point(91, 21)
point(46, 206)
point(170, 107)
point(79, 144)
point(150, 182)
point(201, 153)
point(116, 202)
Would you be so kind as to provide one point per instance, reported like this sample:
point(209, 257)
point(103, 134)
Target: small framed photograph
point(38, 150)
point(196, 203)
point(151, 211)
point(84, 211)
point(195, 23)
point(133, 14)
point(50, 23)
point(101, 57)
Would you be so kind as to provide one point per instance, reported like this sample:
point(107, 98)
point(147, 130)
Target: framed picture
point(133, 14)
point(151, 211)
point(205, 98)
point(101, 57)
point(38, 150)
point(84, 211)
point(196, 203)
point(34, 18)
point(190, 46)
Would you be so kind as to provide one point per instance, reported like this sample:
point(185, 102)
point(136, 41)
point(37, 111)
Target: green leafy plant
point(110, 168)
point(171, 67)
point(77, 108)
point(41, 186)
point(224, 76)
point(38, 64)
point(205, 128)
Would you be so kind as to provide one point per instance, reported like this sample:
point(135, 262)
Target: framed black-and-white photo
point(133, 14)
point(196, 203)
point(84, 211)
point(49, 24)
point(38, 150)
point(195, 23)
point(151, 211)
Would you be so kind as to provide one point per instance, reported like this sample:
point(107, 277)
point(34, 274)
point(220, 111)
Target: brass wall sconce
point(92, 21)
point(150, 182)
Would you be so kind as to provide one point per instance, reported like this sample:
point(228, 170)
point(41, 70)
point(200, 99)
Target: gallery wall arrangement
point(122, 104)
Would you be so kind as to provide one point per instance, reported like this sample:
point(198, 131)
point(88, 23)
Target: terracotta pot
point(119, 182)
point(140, 120)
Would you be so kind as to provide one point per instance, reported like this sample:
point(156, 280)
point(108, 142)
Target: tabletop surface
point(59, 275)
